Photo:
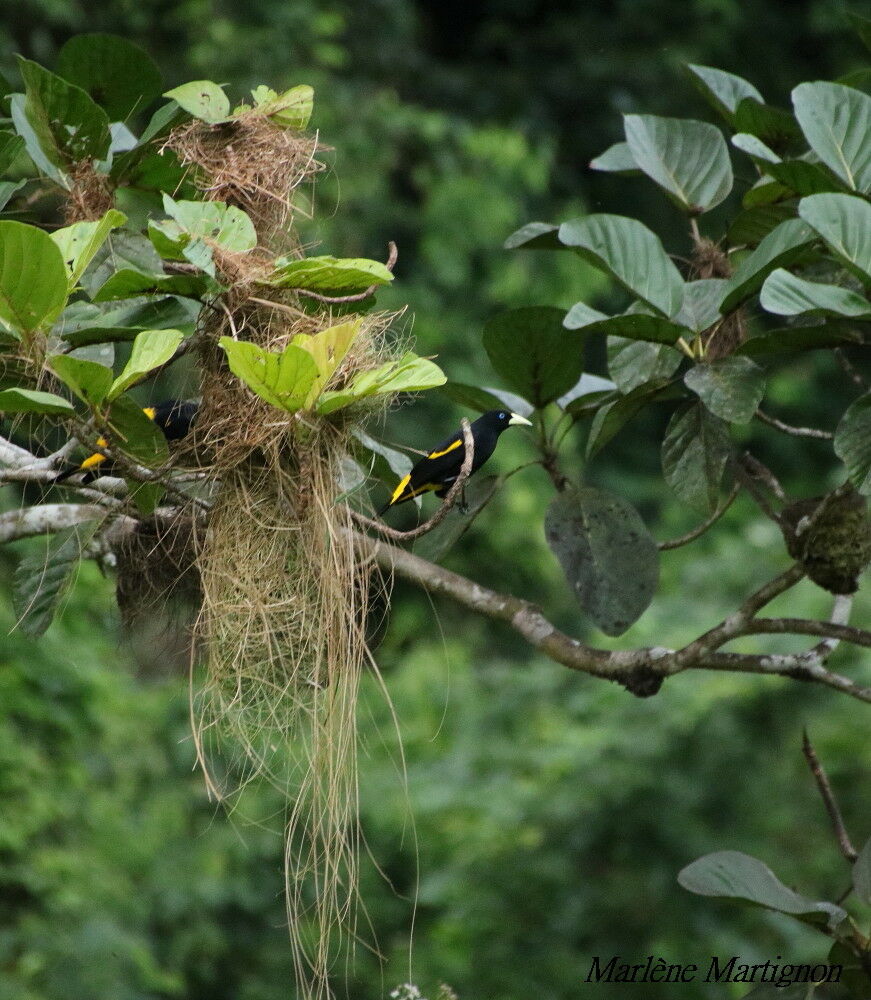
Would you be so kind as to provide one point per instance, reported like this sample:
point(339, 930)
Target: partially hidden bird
point(174, 417)
point(437, 471)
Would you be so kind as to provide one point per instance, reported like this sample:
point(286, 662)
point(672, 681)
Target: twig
point(447, 503)
point(809, 520)
point(808, 432)
point(828, 797)
point(850, 369)
point(691, 536)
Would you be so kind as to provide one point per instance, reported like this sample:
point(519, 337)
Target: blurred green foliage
point(542, 817)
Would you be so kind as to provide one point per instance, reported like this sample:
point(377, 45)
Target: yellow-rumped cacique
point(174, 417)
point(437, 471)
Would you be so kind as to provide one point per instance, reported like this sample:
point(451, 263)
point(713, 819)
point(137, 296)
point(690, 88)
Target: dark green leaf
point(766, 191)
point(117, 74)
point(534, 353)
point(862, 26)
point(612, 417)
point(69, 127)
point(731, 388)
point(687, 159)
point(796, 339)
point(733, 875)
point(785, 294)
point(436, 544)
point(780, 248)
point(127, 284)
point(804, 178)
point(617, 159)
point(628, 251)
point(534, 236)
point(724, 91)
point(836, 121)
point(132, 432)
point(43, 577)
point(32, 401)
point(774, 126)
point(754, 224)
point(7, 190)
point(83, 323)
point(33, 278)
point(695, 451)
point(480, 399)
point(700, 309)
point(844, 222)
point(632, 363)
point(10, 146)
point(87, 379)
point(122, 250)
point(853, 442)
point(631, 326)
point(606, 553)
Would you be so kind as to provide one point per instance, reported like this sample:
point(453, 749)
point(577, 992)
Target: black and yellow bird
point(174, 417)
point(437, 471)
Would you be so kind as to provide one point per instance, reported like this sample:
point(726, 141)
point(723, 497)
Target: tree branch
point(691, 536)
point(808, 432)
point(828, 797)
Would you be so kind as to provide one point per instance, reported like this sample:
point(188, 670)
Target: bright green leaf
point(203, 99)
point(836, 121)
point(292, 109)
point(10, 146)
point(284, 380)
point(33, 278)
point(226, 225)
point(80, 242)
point(628, 251)
point(151, 349)
point(687, 159)
point(329, 275)
point(87, 379)
point(33, 401)
point(409, 374)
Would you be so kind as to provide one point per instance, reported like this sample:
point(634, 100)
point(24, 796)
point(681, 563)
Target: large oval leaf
point(33, 401)
point(632, 363)
point(695, 450)
point(151, 349)
point(89, 380)
point(203, 99)
point(283, 380)
point(531, 349)
point(731, 388)
point(724, 91)
point(628, 251)
point(606, 553)
point(785, 294)
point(687, 159)
point(733, 875)
point(33, 278)
point(117, 74)
point(844, 222)
point(836, 121)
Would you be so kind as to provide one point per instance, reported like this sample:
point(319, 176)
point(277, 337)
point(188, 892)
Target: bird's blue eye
point(502, 416)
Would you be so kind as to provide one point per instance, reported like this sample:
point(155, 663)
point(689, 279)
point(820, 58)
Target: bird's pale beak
point(517, 419)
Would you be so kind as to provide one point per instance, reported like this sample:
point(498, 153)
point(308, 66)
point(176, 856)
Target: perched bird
point(174, 417)
point(437, 471)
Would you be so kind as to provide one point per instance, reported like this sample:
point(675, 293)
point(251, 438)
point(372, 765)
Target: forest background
point(544, 815)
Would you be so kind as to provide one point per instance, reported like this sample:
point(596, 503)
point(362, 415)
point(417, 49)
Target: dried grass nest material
point(248, 162)
point(90, 195)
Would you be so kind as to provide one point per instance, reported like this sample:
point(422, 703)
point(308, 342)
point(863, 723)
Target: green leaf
point(862, 874)
point(476, 398)
point(32, 401)
point(723, 91)
point(581, 315)
point(532, 351)
point(283, 380)
point(7, 190)
point(80, 242)
point(122, 250)
point(630, 326)
point(329, 275)
point(754, 224)
point(17, 109)
point(436, 544)
point(853, 442)
point(836, 121)
point(409, 374)
point(203, 99)
point(731, 388)
point(83, 323)
point(68, 126)
point(628, 251)
point(687, 159)
point(606, 553)
point(612, 417)
point(700, 310)
point(151, 349)
point(755, 148)
point(617, 159)
point(386, 463)
point(632, 363)
point(534, 236)
point(10, 146)
point(127, 284)
point(862, 26)
point(33, 278)
point(766, 191)
point(87, 379)
point(132, 432)
point(226, 225)
point(774, 126)
point(785, 294)
point(733, 875)
point(695, 451)
point(292, 109)
point(797, 339)
point(844, 222)
point(117, 74)
point(328, 348)
point(804, 178)
point(43, 577)
point(780, 248)
point(588, 391)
